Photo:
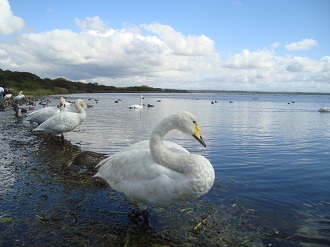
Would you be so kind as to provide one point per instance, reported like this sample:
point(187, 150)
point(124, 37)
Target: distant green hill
point(32, 84)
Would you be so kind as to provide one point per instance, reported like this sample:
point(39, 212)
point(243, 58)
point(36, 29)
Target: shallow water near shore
point(270, 153)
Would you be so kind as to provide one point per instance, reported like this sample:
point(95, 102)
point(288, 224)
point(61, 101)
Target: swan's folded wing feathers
point(145, 145)
point(143, 180)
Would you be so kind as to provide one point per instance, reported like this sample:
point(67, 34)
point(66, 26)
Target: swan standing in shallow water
point(140, 106)
point(159, 173)
point(324, 109)
point(41, 115)
point(64, 121)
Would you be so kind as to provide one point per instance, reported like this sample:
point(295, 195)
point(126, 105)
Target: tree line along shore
point(33, 85)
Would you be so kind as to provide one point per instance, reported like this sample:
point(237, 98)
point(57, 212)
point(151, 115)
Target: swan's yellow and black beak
point(197, 135)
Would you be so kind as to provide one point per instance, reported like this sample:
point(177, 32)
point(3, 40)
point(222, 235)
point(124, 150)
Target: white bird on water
point(324, 109)
point(41, 115)
point(64, 121)
point(160, 173)
point(140, 106)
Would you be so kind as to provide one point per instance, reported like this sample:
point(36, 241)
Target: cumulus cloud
point(247, 59)
point(91, 23)
point(304, 44)
point(101, 53)
point(9, 23)
point(157, 55)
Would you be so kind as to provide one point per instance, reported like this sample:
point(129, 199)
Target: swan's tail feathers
point(97, 175)
point(101, 163)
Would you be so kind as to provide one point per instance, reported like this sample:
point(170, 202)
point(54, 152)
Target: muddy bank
point(42, 206)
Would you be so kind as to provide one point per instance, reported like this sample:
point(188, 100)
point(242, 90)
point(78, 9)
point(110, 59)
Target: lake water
point(270, 153)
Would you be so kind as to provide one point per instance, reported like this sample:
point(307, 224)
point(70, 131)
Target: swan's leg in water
point(140, 218)
point(62, 137)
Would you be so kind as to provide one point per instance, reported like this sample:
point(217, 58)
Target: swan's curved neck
point(165, 157)
point(81, 111)
point(141, 101)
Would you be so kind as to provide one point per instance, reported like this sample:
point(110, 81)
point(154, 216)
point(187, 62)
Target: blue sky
point(196, 44)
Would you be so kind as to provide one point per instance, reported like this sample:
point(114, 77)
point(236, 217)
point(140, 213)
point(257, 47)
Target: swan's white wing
point(134, 173)
point(41, 115)
point(175, 148)
point(60, 123)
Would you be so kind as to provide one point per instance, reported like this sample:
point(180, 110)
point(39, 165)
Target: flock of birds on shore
point(150, 173)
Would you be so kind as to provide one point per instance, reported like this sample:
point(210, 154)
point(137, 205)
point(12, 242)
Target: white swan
point(19, 96)
point(325, 109)
point(7, 96)
point(140, 106)
point(64, 121)
point(66, 104)
point(157, 173)
point(41, 115)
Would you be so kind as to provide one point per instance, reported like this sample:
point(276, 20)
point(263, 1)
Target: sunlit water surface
point(270, 152)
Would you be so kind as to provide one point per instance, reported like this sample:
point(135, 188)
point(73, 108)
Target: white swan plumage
point(19, 96)
point(324, 109)
point(140, 106)
point(7, 96)
point(156, 172)
point(41, 115)
point(64, 121)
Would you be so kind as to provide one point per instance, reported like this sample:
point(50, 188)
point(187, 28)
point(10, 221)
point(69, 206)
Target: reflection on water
point(271, 157)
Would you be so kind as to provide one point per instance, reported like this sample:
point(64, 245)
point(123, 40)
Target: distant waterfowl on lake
point(64, 121)
point(158, 173)
point(324, 109)
point(140, 106)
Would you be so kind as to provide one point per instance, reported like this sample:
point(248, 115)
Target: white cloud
point(9, 23)
point(304, 44)
point(247, 60)
point(304, 64)
point(180, 44)
point(159, 56)
point(91, 23)
point(114, 55)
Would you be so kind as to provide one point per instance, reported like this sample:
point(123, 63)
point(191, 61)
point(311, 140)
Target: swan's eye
point(194, 122)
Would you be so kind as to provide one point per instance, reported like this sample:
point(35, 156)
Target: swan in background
point(19, 96)
point(324, 109)
point(41, 115)
point(140, 106)
point(65, 103)
point(64, 121)
point(7, 96)
point(157, 173)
